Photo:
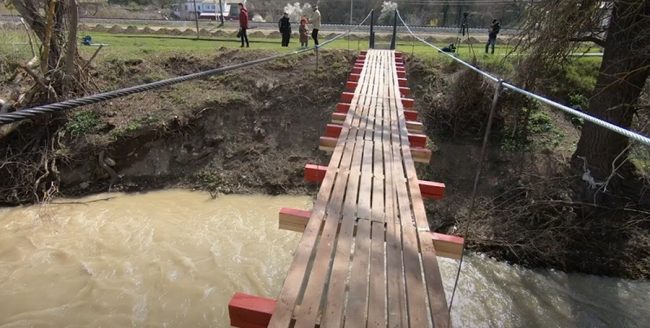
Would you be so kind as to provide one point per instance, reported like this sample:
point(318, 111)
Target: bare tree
point(554, 29)
point(55, 25)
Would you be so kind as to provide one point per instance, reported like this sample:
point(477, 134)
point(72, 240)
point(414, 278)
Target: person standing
point(243, 24)
point(495, 27)
point(285, 29)
point(315, 23)
point(304, 36)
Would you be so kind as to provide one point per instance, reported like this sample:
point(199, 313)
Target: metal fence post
point(393, 40)
point(371, 45)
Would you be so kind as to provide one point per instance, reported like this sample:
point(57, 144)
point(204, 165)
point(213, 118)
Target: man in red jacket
point(243, 24)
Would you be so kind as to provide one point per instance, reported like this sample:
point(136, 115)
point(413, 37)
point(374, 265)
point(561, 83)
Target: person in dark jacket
point(285, 29)
point(243, 24)
point(492, 35)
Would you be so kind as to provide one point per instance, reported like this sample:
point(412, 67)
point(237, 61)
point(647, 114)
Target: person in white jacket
point(315, 23)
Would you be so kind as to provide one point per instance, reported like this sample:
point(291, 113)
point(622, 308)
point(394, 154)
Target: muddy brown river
point(174, 259)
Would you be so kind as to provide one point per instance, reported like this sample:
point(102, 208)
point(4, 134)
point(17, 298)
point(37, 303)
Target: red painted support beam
point(432, 190)
point(405, 92)
point(315, 173)
point(295, 213)
point(293, 219)
point(338, 117)
point(356, 70)
point(399, 55)
point(355, 77)
point(342, 107)
point(327, 143)
point(402, 82)
point(414, 126)
point(346, 97)
point(417, 140)
point(248, 311)
point(408, 102)
point(421, 155)
point(350, 86)
point(363, 56)
point(410, 115)
point(447, 245)
point(333, 130)
point(401, 74)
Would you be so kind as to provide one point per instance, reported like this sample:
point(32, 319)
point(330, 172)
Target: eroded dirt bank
point(253, 131)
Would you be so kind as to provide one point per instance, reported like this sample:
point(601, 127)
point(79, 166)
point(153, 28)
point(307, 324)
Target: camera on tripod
point(464, 25)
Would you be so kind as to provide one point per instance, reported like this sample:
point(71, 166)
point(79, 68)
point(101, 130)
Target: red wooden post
point(432, 190)
point(315, 173)
point(333, 130)
point(346, 97)
point(408, 102)
point(410, 115)
point(417, 140)
point(248, 311)
point(342, 107)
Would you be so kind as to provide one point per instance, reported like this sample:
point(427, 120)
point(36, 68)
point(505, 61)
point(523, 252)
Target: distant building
point(208, 9)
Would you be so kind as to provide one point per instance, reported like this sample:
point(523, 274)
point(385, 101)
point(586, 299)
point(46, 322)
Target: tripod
point(463, 32)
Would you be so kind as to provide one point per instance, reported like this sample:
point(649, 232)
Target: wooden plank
point(333, 314)
point(396, 295)
point(377, 293)
point(309, 309)
point(435, 290)
point(418, 313)
point(295, 280)
point(377, 284)
point(355, 312)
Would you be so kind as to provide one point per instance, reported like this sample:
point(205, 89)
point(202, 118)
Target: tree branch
point(598, 41)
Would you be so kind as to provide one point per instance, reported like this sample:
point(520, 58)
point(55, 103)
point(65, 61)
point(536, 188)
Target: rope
point(602, 123)
point(97, 98)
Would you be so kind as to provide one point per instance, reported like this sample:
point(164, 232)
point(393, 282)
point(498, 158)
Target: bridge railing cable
point(602, 123)
point(500, 85)
point(27, 113)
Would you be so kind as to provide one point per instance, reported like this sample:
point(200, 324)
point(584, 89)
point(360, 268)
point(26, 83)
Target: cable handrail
point(600, 122)
point(27, 113)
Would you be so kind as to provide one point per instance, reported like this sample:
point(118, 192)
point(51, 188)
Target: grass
point(83, 122)
point(132, 46)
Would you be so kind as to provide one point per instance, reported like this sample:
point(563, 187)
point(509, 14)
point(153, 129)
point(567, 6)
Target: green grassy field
point(128, 46)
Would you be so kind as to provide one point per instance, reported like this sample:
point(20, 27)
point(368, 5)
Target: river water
point(174, 259)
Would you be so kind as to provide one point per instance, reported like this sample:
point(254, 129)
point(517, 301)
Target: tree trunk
point(624, 70)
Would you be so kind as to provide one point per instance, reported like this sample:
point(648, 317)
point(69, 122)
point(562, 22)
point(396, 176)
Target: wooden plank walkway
point(366, 258)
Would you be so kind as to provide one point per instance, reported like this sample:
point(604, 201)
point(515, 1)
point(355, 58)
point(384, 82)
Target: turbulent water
point(175, 258)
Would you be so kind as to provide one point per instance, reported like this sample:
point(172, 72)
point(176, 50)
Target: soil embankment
point(249, 131)
point(253, 131)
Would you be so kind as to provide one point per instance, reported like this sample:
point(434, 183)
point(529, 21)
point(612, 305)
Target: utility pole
point(196, 19)
point(351, 9)
point(220, 12)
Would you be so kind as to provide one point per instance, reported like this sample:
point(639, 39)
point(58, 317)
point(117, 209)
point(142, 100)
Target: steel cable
point(602, 123)
point(23, 114)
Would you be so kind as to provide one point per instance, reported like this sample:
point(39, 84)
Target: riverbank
point(253, 132)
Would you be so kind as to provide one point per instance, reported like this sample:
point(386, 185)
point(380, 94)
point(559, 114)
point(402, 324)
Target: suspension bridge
point(367, 256)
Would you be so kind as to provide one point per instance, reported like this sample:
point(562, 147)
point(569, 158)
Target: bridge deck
point(366, 257)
